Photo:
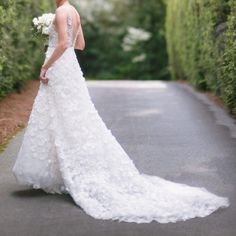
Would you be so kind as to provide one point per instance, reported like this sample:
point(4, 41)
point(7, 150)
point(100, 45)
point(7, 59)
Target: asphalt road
point(168, 130)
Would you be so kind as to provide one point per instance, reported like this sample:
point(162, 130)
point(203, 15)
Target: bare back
point(75, 19)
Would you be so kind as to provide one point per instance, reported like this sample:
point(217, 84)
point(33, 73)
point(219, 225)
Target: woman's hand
point(42, 76)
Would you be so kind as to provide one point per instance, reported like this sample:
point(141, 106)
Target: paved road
point(168, 130)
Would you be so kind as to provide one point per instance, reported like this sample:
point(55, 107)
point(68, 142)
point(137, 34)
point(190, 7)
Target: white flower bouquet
point(42, 23)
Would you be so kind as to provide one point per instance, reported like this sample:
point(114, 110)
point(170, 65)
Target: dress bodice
point(53, 34)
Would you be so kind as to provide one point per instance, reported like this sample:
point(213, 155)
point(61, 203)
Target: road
point(169, 130)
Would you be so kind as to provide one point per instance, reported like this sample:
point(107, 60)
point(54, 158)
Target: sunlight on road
point(127, 84)
point(146, 112)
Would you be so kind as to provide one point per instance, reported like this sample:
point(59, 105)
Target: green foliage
point(103, 54)
point(201, 45)
point(20, 52)
point(104, 57)
point(150, 15)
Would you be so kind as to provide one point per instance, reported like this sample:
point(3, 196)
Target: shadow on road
point(38, 193)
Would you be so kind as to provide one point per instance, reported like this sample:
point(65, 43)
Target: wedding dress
point(67, 148)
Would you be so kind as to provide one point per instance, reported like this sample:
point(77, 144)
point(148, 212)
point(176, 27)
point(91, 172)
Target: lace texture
point(53, 35)
point(67, 148)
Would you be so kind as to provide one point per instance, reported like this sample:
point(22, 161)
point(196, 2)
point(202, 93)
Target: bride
point(67, 147)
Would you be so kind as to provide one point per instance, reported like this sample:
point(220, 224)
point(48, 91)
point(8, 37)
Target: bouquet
point(42, 23)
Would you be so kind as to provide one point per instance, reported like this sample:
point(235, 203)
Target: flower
point(134, 36)
point(45, 31)
point(139, 58)
point(35, 21)
point(42, 23)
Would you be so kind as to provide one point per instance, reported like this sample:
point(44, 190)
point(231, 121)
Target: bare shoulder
point(61, 9)
point(76, 11)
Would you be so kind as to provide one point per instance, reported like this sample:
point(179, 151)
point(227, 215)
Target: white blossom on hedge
point(139, 58)
point(134, 36)
point(89, 9)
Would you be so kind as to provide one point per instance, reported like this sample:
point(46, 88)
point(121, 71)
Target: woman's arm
point(80, 42)
point(61, 23)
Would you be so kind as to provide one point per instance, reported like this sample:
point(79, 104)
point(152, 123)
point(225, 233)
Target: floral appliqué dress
point(67, 148)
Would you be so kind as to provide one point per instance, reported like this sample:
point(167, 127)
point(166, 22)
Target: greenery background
point(192, 40)
point(201, 45)
point(20, 52)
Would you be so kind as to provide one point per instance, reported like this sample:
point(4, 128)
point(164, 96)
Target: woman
point(67, 147)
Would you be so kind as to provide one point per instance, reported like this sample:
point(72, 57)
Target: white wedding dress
point(67, 148)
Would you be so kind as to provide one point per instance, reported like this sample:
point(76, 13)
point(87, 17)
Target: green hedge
point(20, 53)
point(201, 45)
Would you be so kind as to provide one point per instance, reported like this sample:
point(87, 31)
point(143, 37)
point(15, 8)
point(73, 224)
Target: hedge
point(20, 53)
point(201, 45)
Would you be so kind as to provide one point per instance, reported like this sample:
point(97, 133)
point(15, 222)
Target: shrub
point(20, 53)
point(201, 45)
